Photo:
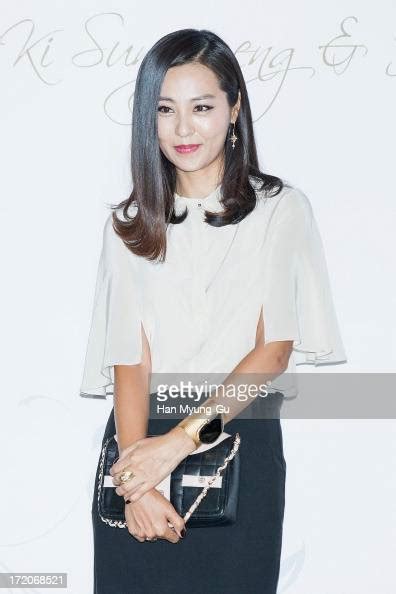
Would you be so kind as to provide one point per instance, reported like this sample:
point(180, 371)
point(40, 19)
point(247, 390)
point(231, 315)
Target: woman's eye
point(161, 107)
point(208, 107)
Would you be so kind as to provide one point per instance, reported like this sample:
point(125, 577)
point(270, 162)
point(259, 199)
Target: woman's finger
point(129, 488)
point(133, 491)
point(176, 521)
point(123, 460)
point(135, 535)
point(172, 535)
point(117, 478)
point(134, 528)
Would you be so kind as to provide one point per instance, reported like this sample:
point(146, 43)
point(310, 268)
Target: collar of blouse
point(210, 202)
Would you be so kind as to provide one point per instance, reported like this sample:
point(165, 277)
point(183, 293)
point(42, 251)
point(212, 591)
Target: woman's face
point(193, 110)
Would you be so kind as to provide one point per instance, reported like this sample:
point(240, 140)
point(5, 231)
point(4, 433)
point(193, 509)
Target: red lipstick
point(187, 148)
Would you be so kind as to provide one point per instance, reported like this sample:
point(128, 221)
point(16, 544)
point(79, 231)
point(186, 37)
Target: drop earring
point(233, 138)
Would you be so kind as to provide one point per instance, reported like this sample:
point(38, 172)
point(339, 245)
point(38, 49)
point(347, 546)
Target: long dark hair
point(154, 176)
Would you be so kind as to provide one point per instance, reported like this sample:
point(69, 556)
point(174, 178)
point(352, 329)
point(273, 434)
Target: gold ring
point(126, 476)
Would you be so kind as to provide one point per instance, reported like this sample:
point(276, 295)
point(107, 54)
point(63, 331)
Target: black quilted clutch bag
point(203, 488)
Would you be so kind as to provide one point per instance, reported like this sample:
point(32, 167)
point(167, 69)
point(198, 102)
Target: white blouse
point(200, 308)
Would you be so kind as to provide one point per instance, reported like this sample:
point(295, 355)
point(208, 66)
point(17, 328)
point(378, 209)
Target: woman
point(210, 266)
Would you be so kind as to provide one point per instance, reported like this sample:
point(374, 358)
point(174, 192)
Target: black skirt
point(242, 558)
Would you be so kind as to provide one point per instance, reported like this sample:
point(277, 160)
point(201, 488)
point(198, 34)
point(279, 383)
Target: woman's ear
point(235, 109)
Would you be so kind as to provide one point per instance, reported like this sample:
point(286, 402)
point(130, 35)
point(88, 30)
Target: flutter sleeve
point(297, 302)
point(115, 335)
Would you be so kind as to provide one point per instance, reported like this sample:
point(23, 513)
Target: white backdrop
point(321, 79)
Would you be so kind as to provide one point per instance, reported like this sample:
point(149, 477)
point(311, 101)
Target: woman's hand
point(150, 459)
point(149, 517)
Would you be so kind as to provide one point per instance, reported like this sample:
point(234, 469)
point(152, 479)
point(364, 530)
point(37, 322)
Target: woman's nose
point(184, 127)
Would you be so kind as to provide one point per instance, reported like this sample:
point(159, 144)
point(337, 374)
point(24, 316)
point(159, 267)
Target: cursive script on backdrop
point(105, 44)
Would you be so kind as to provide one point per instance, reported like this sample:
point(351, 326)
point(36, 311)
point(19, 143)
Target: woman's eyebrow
point(207, 96)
